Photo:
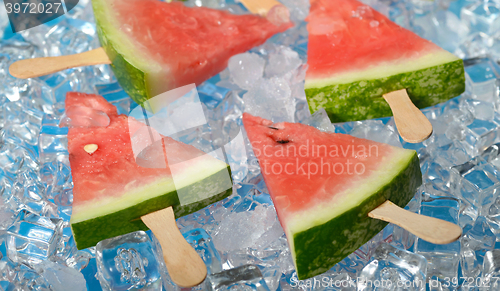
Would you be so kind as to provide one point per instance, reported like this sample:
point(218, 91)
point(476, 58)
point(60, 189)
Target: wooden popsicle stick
point(31, 68)
point(260, 7)
point(184, 265)
point(412, 124)
point(433, 230)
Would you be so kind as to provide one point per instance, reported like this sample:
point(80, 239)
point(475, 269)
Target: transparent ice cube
point(128, 262)
point(398, 269)
point(442, 27)
point(493, 216)
point(53, 145)
point(247, 277)
point(61, 277)
point(481, 79)
point(422, 7)
point(203, 244)
point(33, 238)
point(482, 16)
point(474, 244)
point(491, 271)
point(376, 130)
point(442, 260)
point(320, 120)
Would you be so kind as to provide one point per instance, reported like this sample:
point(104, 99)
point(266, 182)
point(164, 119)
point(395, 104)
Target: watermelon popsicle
point(113, 195)
point(154, 46)
point(356, 55)
point(326, 186)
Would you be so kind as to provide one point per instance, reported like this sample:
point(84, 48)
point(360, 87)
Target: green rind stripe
point(89, 232)
point(363, 99)
point(321, 247)
point(131, 78)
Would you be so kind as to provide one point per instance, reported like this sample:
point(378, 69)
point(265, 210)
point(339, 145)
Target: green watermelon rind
point(360, 100)
point(89, 232)
point(132, 78)
point(315, 252)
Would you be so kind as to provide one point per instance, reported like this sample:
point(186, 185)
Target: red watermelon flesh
point(157, 46)
point(358, 37)
point(111, 191)
point(323, 185)
point(355, 55)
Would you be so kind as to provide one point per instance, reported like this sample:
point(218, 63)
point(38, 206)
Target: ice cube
point(491, 270)
point(61, 277)
point(203, 244)
point(33, 238)
point(422, 7)
point(481, 80)
point(115, 95)
point(7, 215)
point(442, 27)
point(128, 262)
point(247, 277)
point(396, 267)
point(474, 244)
point(53, 145)
point(442, 260)
point(475, 45)
point(246, 69)
point(376, 130)
point(482, 16)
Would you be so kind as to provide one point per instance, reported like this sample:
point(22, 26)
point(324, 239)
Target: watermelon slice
point(324, 184)
point(111, 191)
point(355, 55)
point(156, 46)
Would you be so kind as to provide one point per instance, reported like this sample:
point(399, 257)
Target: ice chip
point(254, 228)
point(247, 277)
point(281, 61)
point(246, 69)
point(61, 277)
point(271, 99)
point(81, 116)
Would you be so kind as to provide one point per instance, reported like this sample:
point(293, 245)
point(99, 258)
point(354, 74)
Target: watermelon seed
point(273, 128)
point(90, 148)
point(282, 141)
